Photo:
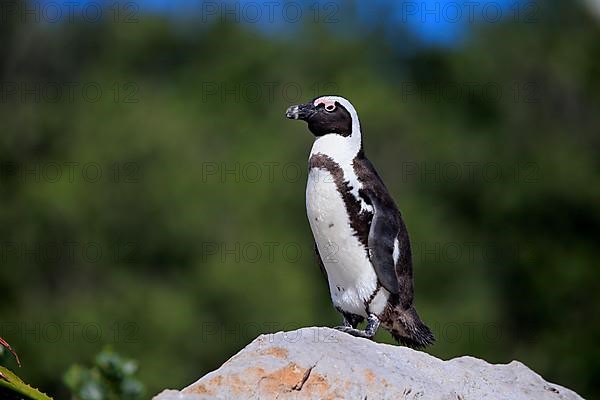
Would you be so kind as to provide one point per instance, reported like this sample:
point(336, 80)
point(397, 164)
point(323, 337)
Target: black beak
point(301, 111)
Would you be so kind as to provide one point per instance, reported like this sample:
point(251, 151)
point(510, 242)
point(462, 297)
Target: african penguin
point(360, 238)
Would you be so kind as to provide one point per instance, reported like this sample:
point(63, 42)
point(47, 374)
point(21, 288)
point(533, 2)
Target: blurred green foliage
point(111, 378)
point(144, 257)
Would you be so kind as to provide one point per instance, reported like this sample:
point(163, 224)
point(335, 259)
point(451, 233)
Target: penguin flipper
point(382, 235)
point(389, 249)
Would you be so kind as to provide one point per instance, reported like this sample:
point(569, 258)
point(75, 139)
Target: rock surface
point(321, 363)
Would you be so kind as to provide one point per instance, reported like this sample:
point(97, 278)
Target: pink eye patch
point(329, 104)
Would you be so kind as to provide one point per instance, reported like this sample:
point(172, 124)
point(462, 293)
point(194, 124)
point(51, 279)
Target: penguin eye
point(330, 107)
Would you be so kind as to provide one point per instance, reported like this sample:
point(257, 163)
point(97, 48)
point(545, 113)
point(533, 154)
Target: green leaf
point(10, 381)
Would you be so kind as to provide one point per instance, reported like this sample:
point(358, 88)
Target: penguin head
point(327, 115)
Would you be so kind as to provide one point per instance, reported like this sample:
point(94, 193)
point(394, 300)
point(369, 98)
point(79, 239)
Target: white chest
point(352, 279)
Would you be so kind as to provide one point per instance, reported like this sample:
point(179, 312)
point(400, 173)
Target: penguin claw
point(354, 332)
point(369, 332)
point(343, 328)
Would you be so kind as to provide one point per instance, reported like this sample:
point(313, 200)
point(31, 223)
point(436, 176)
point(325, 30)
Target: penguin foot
point(353, 331)
point(369, 332)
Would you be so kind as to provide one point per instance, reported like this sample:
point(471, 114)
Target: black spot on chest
point(360, 220)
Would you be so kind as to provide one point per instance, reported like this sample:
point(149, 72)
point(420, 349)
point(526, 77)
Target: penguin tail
point(409, 330)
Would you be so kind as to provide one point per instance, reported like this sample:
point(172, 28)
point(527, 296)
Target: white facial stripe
point(342, 149)
point(353, 143)
point(326, 101)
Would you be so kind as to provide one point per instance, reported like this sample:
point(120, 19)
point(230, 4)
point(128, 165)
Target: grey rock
point(322, 363)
